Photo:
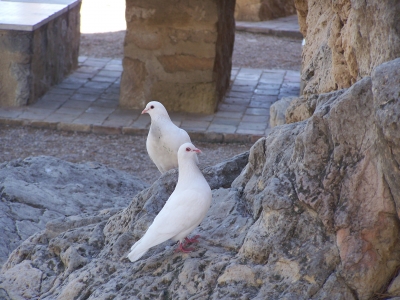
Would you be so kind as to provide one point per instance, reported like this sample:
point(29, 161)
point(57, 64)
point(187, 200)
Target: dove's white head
point(155, 108)
point(188, 151)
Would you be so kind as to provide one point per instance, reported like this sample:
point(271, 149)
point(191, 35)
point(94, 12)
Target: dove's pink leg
point(192, 240)
point(181, 248)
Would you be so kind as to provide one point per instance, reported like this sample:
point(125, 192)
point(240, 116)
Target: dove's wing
point(183, 210)
point(163, 142)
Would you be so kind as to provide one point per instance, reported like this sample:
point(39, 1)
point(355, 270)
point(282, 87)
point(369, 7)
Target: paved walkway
point(87, 101)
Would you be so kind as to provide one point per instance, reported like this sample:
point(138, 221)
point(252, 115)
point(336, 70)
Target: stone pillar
point(178, 52)
point(34, 56)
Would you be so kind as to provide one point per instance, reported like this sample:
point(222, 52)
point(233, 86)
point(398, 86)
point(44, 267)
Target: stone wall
point(262, 10)
point(346, 40)
point(55, 52)
point(32, 61)
point(177, 52)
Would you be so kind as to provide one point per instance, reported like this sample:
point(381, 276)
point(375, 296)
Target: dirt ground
point(123, 152)
point(251, 50)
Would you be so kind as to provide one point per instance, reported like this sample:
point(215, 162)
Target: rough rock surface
point(277, 111)
point(262, 10)
point(316, 221)
point(36, 190)
point(302, 108)
point(346, 40)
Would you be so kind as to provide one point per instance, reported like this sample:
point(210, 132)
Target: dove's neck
point(189, 172)
point(161, 118)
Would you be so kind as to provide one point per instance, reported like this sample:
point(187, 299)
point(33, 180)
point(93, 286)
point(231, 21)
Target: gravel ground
point(123, 152)
point(260, 51)
point(108, 44)
point(251, 50)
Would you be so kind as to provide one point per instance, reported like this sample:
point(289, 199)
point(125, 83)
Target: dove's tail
point(137, 251)
point(150, 239)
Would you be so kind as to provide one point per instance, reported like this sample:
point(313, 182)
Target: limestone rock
point(277, 111)
point(302, 11)
point(262, 10)
point(303, 107)
point(300, 109)
point(36, 190)
point(386, 91)
point(346, 40)
point(311, 216)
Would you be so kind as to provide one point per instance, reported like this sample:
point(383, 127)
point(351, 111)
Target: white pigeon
point(164, 137)
point(184, 209)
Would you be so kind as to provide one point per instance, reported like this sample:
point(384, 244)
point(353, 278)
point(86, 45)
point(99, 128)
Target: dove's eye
point(187, 149)
point(152, 106)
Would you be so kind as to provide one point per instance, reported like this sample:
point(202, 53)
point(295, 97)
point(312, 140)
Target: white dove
point(184, 209)
point(164, 137)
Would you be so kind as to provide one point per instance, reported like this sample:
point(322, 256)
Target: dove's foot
point(181, 248)
point(193, 240)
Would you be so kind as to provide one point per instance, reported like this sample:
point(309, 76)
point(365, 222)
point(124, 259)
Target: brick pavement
point(87, 101)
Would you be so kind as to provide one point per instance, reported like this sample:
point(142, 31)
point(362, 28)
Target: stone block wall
point(33, 61)
point(262, 10)
point(346, 40)
point(178, 52)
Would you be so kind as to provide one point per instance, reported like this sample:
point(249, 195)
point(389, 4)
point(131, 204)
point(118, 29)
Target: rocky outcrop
point(318, 220)
point(36, 190)
point(346, 40)
point(277, 111)
point(262, 10)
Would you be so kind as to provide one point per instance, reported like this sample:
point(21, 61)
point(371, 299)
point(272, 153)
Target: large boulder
point(313, 215)
point(346, 40)
point(36, 190)
point(277, 111)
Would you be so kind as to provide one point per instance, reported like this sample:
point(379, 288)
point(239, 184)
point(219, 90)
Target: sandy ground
point(123, 152)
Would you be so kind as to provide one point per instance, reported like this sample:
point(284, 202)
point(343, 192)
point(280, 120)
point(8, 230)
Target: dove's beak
point(144, 111)
point(197, 150)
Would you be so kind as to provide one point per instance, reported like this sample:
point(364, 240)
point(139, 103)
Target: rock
point(386, 91)
point(73, 244)
point(36, 190)
point(302, 11)
point(277, 111)
point(394, 287)
point(303, 107)
point(300, 109)
point(28, 287)
point(262, 10)
point(311, 216)
point(346, 40)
